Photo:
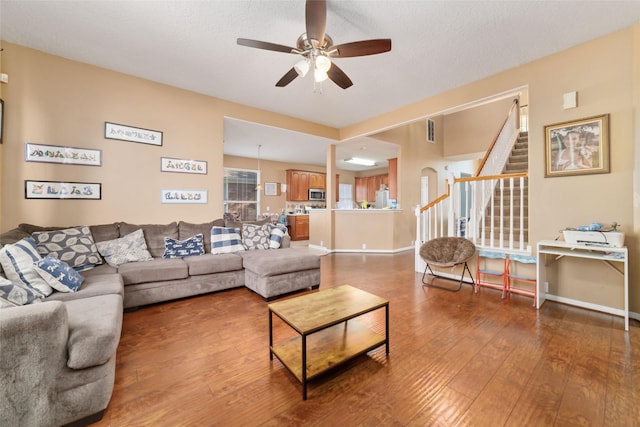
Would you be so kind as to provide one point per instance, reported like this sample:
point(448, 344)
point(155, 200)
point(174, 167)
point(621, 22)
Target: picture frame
point(46, 153)
point(1, 120)
point(271, 189)
point(62, 190)
point(170, 164)
point(132, 134)
point(172, 196)
point(578, 147)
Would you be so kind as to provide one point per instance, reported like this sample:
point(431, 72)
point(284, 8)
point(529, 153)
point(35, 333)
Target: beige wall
point(61, 102)
point(55, 101)
point(605, 74)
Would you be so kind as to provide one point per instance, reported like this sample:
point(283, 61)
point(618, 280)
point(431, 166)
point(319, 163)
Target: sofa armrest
point(33, 352)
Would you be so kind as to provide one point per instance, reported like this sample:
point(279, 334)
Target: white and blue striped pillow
point(277, 233)
point(17, 262)
point(14, 294)
point(174, 248)
point(225, 240)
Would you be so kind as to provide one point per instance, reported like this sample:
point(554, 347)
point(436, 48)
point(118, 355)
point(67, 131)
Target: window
point(240, 194)
point(345, 194)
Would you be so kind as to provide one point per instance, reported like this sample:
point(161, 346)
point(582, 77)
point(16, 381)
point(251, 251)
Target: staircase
point(518, 162)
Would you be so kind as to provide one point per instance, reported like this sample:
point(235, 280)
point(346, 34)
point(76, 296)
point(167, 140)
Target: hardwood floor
point(456, 359)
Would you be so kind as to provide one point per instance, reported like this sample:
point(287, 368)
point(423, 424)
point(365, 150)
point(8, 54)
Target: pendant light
point(259, 186)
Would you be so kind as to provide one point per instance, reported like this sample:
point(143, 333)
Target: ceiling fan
point(318, 49)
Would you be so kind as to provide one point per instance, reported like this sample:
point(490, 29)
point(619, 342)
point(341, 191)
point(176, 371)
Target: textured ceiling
point(436, 45)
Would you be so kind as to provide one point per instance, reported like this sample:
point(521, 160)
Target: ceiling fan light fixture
point(302, 67)
point(319, 75)
point(323, 63)
point(359, 161)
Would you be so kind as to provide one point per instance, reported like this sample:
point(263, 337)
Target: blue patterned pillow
point(58, 274)
point(278, 231)
point(75, 246)
point(225, 240)
point(174, 248)
point(17, 262)
point(16, 294)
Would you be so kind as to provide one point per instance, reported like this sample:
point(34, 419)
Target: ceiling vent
point(431, 131)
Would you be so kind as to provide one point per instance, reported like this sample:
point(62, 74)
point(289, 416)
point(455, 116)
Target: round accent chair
point(447, 252)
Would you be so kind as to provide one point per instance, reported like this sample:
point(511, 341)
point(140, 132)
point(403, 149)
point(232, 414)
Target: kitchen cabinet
point(298, 227)
point(367, 186)
point(393, 178)
point(317, 180)
point(297, 185)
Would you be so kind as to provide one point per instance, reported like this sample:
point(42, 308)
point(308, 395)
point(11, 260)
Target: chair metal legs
point(435, 276)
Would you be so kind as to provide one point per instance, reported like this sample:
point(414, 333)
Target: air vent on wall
point(431, 131)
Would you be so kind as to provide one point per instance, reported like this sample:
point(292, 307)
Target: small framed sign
point(62, 190)
point(132, 134)
point(168, 164)
point(183, 196)
point(65, 155)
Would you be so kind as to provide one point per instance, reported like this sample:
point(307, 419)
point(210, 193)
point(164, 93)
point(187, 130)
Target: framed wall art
point(271, 189)
point(132, 134)
point(578, 147)
point(168, 164)
point(62, 190)
point(59, 154)
point(183, 196)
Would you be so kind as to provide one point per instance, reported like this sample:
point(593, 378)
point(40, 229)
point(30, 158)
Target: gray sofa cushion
point(187, 229)
point(156, 270)
point(92, 286)
point(278, 261)
point(209, 264)
point(154, 235)
point(102, 233)
point(94, 330)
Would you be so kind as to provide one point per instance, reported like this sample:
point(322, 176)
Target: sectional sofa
point(58, 352)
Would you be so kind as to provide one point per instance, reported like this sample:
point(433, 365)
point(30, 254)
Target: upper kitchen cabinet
point(317, 180)
point(393, 178)
point(297, 185)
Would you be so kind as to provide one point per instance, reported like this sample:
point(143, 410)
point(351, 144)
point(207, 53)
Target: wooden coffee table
point(327, 334)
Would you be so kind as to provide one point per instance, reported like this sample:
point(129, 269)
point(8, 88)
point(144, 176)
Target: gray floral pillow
point(130, 248)
point(256, 236)
point(75, 246)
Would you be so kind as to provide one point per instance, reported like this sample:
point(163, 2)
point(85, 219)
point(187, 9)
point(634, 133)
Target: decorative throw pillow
point(277, 233)
point(193, 246)
point(130, 248)
point(13, 293)
point(75, 246)
point(17, 262)
point(225, 240)
point(58, 274)
point(256, 236)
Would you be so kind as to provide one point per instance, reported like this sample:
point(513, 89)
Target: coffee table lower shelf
point(326, 348)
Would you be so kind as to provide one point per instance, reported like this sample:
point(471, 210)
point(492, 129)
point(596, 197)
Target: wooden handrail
point(436, 201)
point(488, 177)
point(495, 139)
point(471, 179)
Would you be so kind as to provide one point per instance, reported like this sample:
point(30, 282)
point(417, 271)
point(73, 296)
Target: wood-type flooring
point(455, 359)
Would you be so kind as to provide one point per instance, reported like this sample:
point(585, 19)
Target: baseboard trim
point(365, 251)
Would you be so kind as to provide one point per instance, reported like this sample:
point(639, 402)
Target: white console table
point(550, 251)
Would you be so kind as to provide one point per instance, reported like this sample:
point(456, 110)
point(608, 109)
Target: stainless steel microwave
point(315, 194)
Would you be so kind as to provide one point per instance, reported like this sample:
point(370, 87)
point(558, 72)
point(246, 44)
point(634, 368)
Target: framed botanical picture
point(578, 147)
point(168, 164)
point(62, 190)
point(132, 134)
point(271, 189)
point(183, 196)
point(65, 155)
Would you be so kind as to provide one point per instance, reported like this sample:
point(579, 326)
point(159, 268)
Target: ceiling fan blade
point(361, 48)
point(316, 21)
point(339, 77)
point(287, 78)
point(266, 46)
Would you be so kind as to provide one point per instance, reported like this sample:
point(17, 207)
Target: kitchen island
point(360, 230)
